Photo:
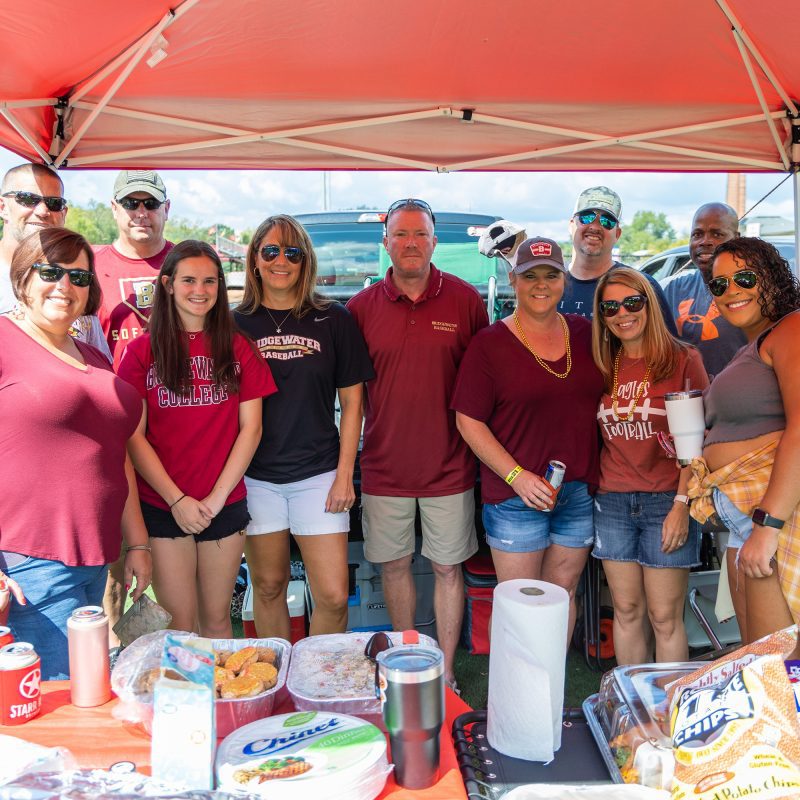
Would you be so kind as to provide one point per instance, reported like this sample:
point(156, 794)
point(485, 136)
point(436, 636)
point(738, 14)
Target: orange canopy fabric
point(444, 85)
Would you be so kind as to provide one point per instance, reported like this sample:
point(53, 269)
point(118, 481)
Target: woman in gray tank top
point(752, 447)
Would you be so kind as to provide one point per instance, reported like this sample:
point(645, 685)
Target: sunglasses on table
point(132, 203)
point(31, 200)
point(294, 255)
point(606, 220)
point(410, 201)
point(744, 279)
point(633, 302)
point(53, 273)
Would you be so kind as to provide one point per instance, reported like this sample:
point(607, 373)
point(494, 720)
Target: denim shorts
point(739, 524)
point(53, 591)
point(628, 527)
point(513, 527)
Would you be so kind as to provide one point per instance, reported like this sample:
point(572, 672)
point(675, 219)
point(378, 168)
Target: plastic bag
point(18, 757)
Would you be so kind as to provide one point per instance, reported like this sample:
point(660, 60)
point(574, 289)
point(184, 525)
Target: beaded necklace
point(639, 392)
point(540, 361)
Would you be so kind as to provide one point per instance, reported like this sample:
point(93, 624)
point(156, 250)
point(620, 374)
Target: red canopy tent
point(685, 85)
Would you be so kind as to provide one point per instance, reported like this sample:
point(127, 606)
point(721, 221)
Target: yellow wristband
point(512, 476)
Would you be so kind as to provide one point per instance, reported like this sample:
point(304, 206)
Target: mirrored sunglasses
point(744, 279)
point(53, 273)
point(633, 302)
point(31, 200)
point(606, 220)
point(294, 255)
point(410, 201)
point(132, 203)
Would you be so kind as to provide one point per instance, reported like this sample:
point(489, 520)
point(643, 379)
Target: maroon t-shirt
point(534, 415)
point(62, 440)
point(193, 434)
point(411, 445)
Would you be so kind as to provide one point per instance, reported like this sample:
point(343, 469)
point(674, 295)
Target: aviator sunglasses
point(52, 273)
point(633, 302)
point(132, 203)
point(744, 279)
point(294, 255)
point(410, 201)
point(31, 200)
point(606, 220)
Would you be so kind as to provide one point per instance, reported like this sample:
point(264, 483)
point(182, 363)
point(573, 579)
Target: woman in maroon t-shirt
point(642, 530)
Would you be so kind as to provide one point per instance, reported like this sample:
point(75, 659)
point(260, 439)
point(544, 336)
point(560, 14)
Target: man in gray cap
point(128, 268)
point(595, 229)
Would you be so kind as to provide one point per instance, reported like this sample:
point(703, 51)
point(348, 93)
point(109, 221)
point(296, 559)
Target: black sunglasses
point(31, 200)
point(294, 255)
point(53, 273)
point(633, 302)
point(413, 202)
point(744, 279)
point(132, 203)
point(606, 220)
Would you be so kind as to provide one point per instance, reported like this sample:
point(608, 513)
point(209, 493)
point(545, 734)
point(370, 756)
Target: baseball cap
point(498, 236)
point(538, 252)
point(139, 180)
point(599, 198)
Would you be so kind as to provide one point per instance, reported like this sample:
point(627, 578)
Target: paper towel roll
point(526, 669)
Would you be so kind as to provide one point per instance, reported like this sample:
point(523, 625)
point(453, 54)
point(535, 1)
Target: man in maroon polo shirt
point(417, 323)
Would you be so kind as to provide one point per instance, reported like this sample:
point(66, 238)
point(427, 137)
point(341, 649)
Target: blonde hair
point(661, 349)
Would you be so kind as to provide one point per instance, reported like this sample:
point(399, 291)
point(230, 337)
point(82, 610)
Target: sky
point(543, 202)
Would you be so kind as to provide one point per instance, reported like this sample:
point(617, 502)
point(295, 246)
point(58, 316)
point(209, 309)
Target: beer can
point(554, 475)
point(89, 671)
point(6, 637)
point(20, 676)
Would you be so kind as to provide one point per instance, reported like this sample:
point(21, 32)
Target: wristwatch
point(681, 498)
point(761, 517)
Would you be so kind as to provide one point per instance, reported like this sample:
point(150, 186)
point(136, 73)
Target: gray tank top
point(744, 400)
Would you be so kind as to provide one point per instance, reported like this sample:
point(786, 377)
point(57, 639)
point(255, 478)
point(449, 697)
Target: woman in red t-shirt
point(202, 385)
point(643, 533)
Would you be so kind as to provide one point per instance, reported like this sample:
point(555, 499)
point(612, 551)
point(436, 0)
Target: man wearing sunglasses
point(32, 199)
point(595, 230)
point(698, 320)
point(417, 323)
point(128, 268)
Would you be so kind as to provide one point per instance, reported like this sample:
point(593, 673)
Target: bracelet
point(177, 501)
point(130, 547)
point(511, 477)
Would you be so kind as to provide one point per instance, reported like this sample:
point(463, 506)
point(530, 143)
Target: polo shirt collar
point(431, 290)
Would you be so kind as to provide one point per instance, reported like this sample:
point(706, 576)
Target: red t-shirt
point(632, 460)
point(63, 440)
point(128, 286)
point(193, 435)
point(411, 445)
point(536, 416)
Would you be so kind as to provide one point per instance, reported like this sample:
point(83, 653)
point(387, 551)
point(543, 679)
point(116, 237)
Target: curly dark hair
point(779, 289)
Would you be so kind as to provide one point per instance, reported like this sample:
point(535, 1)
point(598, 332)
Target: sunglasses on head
point(31, 200)
point(132, 203)
point(606, 220)
point(52, 273)
point(413, 202)
point(294, 255)
point(744, 279)
point(633, 302)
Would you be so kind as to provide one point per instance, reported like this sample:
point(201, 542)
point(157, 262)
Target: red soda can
point(20, 675)
point(6, 637)
point(89, 672)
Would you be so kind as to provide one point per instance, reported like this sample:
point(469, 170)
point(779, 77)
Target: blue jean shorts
point(53, 591)
point(739, 524)
point(628, 527)
point(513, 527)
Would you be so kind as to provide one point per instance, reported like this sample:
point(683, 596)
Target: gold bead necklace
point(639, 393)
point(540, 361)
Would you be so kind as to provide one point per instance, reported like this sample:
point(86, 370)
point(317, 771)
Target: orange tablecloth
point(98, 740)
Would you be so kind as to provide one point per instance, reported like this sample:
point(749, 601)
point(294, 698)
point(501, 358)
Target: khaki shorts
point(448, 527)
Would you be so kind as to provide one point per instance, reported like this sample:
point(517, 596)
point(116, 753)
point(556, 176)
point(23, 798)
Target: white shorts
point(298, 507)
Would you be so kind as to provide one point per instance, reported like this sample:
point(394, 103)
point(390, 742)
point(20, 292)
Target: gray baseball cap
point(538, 252)
point(599, 198)
point(139, 180)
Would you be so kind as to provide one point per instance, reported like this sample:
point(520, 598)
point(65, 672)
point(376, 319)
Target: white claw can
point(554, 475)
point(89, 671)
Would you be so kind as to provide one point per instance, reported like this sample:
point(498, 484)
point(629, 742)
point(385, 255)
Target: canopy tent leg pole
point(796, 184)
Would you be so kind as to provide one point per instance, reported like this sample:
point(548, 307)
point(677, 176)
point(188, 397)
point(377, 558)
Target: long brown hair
point(292, 234)
point(661, 348)
point(167, 343)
